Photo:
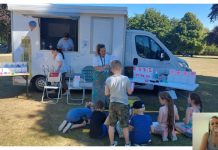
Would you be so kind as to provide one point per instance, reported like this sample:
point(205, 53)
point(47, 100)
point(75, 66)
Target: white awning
point(66, 9)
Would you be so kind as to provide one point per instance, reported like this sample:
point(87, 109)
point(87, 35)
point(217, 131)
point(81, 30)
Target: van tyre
point(38, 83)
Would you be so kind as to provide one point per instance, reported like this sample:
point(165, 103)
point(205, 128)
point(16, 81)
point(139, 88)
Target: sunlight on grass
point(85, 130)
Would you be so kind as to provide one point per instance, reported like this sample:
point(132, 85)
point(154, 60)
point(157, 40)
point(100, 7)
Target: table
point(174, 85)
point(24, 75)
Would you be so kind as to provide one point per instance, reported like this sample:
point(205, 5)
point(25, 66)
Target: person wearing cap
point(140, 125)
point(66, 43)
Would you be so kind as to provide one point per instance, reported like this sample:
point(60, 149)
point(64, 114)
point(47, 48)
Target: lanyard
point(102, 61)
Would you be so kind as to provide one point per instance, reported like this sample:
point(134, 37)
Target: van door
point(147, 52)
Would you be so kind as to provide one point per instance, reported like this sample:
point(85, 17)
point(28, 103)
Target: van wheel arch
point(38, 82)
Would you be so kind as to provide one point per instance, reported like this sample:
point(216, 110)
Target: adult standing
point(60, 66)
point(210, 139)
point(66, 43)
point(101, 64)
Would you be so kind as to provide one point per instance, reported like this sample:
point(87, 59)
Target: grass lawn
point(29, 122)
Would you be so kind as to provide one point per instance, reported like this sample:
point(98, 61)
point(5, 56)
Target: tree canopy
point(151, 21)
point(5, 28)
point(189, 33)
point(182, 35)
point(213, 15)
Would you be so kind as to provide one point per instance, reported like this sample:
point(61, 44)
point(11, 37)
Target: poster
point(185, 77)
point(142, 74)
point(13, 68)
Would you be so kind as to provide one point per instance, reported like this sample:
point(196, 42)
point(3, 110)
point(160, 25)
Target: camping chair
point(74, 83)
point(87, 73)
point(53, 82)
point(85, 82)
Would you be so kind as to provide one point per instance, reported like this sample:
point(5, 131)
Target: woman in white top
point(101, 63)
point(60, 66)
point(210, 139)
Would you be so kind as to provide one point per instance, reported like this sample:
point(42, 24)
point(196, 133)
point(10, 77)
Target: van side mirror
point(160, 55)
point(135, 61)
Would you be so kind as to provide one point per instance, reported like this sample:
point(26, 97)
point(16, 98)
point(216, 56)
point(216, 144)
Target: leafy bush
point(210, 50)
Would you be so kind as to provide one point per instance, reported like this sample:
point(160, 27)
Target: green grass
point(29, 122)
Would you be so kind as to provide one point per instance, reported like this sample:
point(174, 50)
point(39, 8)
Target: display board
point(13, 68)
point(184, 80)
point(142, 74)
point(185, 77)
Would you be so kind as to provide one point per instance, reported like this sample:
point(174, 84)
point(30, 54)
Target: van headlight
point(184, 65)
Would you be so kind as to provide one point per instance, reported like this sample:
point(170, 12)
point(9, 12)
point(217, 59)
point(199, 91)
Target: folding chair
point(87, 74)
point(75, 83)
point(53, 82)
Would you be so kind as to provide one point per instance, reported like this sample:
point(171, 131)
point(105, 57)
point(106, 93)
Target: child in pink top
point(168, 113)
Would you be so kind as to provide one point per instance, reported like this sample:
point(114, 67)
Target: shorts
point(118, 112)
point(104, 131)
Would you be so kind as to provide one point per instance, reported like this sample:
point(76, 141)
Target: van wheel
point(38, 83)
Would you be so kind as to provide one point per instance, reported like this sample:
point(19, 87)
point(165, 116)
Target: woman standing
point(101, 64)
point(210, 139)
point(60, 66)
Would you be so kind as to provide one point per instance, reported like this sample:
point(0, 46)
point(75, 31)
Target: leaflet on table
point(76, 81)
point(13, 68)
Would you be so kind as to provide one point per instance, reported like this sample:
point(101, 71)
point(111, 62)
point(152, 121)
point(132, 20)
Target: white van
point(87, 26)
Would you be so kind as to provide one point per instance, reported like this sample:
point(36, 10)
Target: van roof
point(141, 32)
point(66, 8)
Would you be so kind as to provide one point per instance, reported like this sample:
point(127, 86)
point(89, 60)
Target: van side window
point(148, 48)
point(53, 29)
point(157, 50)
point(142, 46)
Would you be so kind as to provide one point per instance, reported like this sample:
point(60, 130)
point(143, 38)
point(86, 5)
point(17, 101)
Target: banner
point(185, 77)
point(142, 74)
point(13, 68)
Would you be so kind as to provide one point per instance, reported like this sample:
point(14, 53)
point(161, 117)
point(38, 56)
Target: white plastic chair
point(75, 83)
point(55, 84)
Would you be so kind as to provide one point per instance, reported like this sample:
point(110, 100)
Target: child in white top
point(168, 113)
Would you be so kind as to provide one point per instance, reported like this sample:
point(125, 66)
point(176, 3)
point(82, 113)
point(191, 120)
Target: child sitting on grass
point(185, 127)
point(140, 125)
point(168, 113)
point(77, 117)
point(97, 127)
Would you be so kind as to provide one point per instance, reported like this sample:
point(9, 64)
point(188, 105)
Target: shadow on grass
point(48, 117)
point(199, 56)
point(202, 57)
point(7, 90)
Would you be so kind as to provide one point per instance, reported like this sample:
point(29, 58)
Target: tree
point(5, 25)
point(170, 38)
point(213, 15)
point(151, 21)
point(212, 37)
point(190, 34)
